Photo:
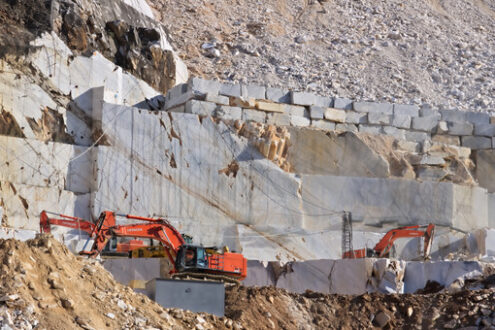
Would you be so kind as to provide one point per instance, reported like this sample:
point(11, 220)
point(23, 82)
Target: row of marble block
point(283, 107)
point(402, 127)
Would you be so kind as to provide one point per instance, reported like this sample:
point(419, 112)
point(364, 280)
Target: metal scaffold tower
point(347, 232)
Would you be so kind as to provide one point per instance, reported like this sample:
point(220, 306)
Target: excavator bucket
point(44, 224)
point(429, 234)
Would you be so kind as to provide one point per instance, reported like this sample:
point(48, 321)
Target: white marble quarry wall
point(22, 98)
point(161, 164)
point(420, 128)
point(471, 207)
point(332, 276)
point(38, 176)
point(481, 243)
point(417, 274)
point(22, 204)
point(35, 163)
point(491, 210)
point(374, 201)
point(489, 246)
point(54, 176)
point(177, 165)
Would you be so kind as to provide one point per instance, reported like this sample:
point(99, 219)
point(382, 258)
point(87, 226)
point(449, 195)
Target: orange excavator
point(187, 260)
point(66, 221)
point(63, 220)
point(384, 246)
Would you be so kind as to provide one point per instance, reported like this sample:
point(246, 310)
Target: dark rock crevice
point(9, 126)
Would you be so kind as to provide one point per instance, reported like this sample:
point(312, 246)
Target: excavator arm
point(159, 230)
point(383, 247)
point(66, 221)
point(187, 260)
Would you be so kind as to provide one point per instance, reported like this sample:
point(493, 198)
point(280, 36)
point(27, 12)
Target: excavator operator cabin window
point(113, 244)
point(190, 256)
point(201, 257)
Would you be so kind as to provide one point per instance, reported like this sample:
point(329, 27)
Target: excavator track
point(206, 277)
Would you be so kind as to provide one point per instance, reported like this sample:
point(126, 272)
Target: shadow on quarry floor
point(447, 248)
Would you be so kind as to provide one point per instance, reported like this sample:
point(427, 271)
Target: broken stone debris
point(29, 300)
point(112, 304)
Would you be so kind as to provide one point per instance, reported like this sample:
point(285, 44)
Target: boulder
point(318, 152)
point(485, 169)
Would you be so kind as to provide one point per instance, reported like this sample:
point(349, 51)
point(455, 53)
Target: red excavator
point(115, 248)
point(187, 260)
point(384, 246)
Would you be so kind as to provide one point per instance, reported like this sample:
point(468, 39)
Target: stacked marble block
point(421, 126)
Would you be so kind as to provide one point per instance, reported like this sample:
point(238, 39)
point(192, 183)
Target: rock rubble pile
point(43, 285)
point(269, 308)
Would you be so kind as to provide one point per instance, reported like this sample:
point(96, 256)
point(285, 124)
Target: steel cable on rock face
point(229, 147)
point(263, 174)
point(20, 157)
point(293, 233)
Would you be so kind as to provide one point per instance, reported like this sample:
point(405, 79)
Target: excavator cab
point(371, 253)
point(191, 257)
point(187, 238)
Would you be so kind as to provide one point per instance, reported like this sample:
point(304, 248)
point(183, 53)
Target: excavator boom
point(155, 231)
